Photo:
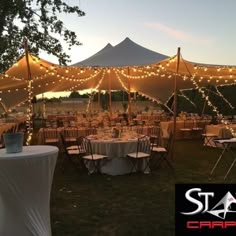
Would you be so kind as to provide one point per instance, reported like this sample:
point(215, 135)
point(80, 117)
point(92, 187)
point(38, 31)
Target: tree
point(74, 94)
point(39, 22)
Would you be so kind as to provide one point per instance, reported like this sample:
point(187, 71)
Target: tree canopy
point(39, 22)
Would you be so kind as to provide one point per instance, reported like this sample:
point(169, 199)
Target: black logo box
point(183, 205)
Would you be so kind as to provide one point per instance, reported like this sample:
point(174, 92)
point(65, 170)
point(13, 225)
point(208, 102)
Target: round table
point(25, 186)
point(116, 151)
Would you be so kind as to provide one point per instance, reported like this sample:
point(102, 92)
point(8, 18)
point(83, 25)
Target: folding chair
point(71, 150)
point(161, 154)
point(139, 129)
point(91, 158)
point(90, 131)
point(209, 139)
point(154, 134)
point(70, 134)
point(143, 153)
point(197, 129)
point(51, 136)
point(187, 129)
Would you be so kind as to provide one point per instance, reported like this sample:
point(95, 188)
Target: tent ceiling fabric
point(155, 80)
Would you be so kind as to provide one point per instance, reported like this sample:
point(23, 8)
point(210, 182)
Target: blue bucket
point(13, 142)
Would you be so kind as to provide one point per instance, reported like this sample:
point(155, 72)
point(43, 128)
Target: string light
point(214, 108)
point(75, 77)
point(185, 97)
point(155, 100)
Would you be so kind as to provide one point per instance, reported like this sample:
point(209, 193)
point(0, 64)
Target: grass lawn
point(135, 204)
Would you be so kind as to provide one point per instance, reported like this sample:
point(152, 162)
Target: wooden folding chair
point(51, 136)
point(161, 154)
point(70, 134)
point(143, 153)
point(186, 130)
point(154, 134)
point(91, 158)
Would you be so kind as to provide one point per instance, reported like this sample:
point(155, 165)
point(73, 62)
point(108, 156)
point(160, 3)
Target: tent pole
point(109, 91)
point(172, 105)
point(175, 102)
point(129, 97)
point(4, 108)
point(135, 101)
point(43, 108)
point(99, 99)
point(91, 103)
point(29, 121)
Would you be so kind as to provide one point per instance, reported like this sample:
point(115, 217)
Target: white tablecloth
point(220, 131)
point(25, 186)
point(117, 163)
point(168, 126)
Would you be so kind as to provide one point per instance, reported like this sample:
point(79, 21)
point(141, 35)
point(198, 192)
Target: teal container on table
point(13, 142)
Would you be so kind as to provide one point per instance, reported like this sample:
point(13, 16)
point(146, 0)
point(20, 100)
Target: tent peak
point(104, 50)
point(127, 39)
point(108, 46)
point(126, 53)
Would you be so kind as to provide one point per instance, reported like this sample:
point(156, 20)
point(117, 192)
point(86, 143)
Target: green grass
point(135, 204)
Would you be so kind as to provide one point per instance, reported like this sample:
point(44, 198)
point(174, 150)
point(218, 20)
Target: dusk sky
point(204, 29)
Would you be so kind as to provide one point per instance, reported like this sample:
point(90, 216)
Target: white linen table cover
point(220, 131)
point(25, 187)
point(116, 151)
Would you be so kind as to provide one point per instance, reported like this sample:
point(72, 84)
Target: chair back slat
point(50, 135)
point(143, 145)
point(80, 143)
point(86, 145)
point(70, 133)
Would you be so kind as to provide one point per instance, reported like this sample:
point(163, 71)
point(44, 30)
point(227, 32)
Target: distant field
point(72, 107)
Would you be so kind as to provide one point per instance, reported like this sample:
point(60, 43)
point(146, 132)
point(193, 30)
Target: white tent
point(97, 58)
point(126, 53)
point(155, 80)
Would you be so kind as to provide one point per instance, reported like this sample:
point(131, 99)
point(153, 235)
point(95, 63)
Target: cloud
point(177, 34)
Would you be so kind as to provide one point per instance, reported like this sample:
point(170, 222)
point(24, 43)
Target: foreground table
point(228, 145)
point(25, 186)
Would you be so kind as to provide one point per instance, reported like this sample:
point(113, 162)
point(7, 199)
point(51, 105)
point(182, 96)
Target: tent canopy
point(126, 53)
point(154, 80)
